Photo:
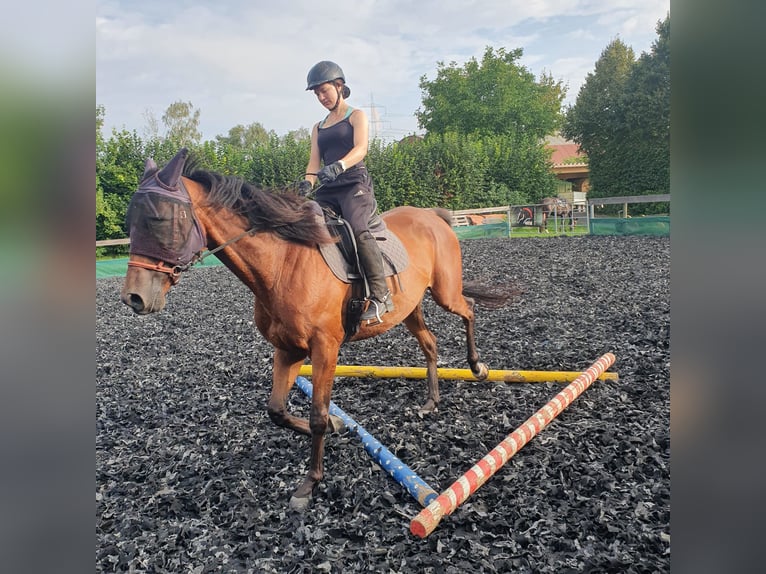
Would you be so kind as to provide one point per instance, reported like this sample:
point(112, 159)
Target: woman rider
point(340, 142)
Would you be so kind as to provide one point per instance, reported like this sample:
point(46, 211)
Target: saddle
point(343, 260)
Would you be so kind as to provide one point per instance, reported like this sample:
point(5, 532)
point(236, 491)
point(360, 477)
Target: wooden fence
point(464, 217)
point(480, 215)
point(108, 242)
point(625, 200)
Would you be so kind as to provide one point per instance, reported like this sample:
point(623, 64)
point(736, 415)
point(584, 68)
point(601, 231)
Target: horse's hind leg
point(415, 323)
point(479, 369)
point(458, 304)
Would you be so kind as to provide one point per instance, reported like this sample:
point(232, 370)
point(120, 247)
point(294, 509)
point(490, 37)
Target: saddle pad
point(395, 258)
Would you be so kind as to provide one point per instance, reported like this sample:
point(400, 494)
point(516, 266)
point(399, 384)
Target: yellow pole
point(457, 374)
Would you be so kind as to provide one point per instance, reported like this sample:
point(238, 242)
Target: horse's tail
point(444, 214)
point(491, 297)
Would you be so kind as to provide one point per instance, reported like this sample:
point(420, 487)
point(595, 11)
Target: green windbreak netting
point(656, 225)
point(484, 230)
point(118, 267)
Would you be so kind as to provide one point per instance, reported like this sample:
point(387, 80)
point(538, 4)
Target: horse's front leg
point(286, 367)
point(323, 374)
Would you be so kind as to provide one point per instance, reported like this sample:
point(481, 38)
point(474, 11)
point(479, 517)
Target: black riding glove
point(329, 172)
point(304, 187)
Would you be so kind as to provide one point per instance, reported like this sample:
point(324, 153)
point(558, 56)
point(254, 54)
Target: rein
point(199, 257)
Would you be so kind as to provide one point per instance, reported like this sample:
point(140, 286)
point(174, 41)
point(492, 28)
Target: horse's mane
point(284, 213)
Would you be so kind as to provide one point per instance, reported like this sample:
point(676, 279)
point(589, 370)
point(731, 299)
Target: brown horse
point(269, 241)
point(557, 208)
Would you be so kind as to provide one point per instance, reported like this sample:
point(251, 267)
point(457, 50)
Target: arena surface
point(192, 476)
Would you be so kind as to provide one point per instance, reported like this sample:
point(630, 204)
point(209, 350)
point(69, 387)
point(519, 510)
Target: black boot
point(372, 264)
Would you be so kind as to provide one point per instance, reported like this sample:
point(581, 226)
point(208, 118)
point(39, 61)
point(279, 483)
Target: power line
point(380, 124)
point(374, 117)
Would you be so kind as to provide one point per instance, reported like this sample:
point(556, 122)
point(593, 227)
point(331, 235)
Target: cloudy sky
point(245, 61)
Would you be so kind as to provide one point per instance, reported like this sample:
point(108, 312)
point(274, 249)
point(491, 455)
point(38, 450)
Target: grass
point(533, 231)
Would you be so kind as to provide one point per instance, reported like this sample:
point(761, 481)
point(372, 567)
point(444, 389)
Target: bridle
point(175, 271)
point(161, 267)
point(184, 251)
point(164, 228)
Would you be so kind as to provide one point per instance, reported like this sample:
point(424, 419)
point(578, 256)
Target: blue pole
point(399, 471)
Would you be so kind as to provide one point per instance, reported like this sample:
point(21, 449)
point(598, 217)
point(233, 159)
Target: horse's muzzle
point(142, 305)
point(135, 302)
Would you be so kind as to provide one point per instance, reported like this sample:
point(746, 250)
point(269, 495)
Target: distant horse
point(270, 242)
point(528, 216)
point(557, 208)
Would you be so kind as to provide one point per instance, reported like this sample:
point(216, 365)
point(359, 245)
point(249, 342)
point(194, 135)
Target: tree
point(117, 160)
point(621, 119)
point(107, 219)
point(506, 114)
point(458, 171)
point(644, 143)
point(245, 137)
point(299, 135)
point(181, 122)
point(152, 126)
point(494, 96)
point(592, 121)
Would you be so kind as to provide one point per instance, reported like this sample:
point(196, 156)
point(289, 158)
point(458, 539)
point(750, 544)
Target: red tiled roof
point(564, 154)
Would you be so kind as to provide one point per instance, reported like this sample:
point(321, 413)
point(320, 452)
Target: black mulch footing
point(192, 476)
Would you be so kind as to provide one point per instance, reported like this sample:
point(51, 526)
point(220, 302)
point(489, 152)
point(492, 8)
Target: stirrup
point(376, 308)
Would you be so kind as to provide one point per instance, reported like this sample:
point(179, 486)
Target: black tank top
point(337, 140)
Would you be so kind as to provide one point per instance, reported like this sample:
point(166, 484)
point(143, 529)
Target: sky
point(245, 61)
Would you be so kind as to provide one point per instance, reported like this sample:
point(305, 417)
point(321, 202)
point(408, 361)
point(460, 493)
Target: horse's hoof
point(335, 424)
point(481, 372)
point(299, 504)
point(428, 408)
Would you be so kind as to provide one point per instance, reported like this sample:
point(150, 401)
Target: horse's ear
point(171, 173)
point(149, 168)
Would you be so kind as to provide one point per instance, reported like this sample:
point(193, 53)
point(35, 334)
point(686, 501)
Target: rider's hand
point(304, 187)
point(329, 172)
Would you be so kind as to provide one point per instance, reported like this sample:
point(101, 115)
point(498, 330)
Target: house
point(570, 165)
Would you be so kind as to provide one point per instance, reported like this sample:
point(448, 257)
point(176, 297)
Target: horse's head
point(164, 234)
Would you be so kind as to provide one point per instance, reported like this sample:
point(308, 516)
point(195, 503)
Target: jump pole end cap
point(419, 529)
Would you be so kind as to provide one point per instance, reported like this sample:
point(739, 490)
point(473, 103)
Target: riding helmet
point(324, 71)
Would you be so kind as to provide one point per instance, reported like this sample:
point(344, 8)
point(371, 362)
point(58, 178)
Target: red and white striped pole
point(446, 503)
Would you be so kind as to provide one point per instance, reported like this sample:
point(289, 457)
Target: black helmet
point(324, 71)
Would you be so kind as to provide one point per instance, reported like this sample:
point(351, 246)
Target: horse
point(557, 207)
point(527, 216)
point(270, 240)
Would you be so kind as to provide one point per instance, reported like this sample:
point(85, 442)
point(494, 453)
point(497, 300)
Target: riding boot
point(371, 261)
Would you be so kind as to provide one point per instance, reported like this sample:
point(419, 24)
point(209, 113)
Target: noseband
point(161, 267)
point(175, 271)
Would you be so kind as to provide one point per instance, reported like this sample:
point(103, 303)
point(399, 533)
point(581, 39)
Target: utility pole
point(374, 119)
